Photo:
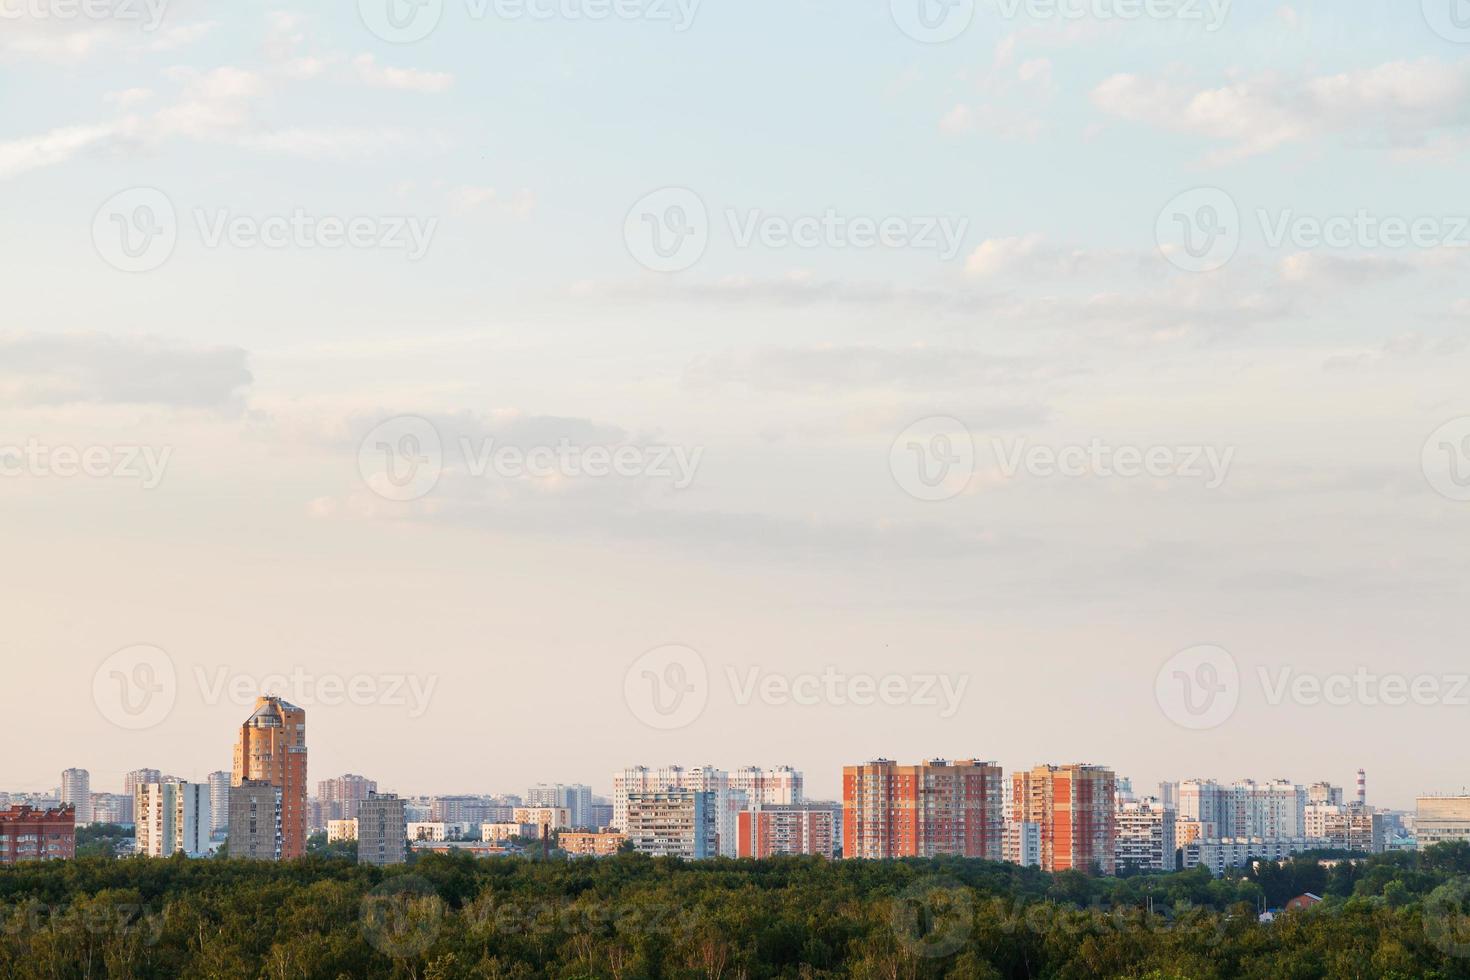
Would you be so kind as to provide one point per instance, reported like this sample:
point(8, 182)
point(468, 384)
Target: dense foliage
point(1397, 916)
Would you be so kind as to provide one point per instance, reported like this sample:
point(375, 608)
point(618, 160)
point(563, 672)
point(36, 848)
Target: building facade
point(1220, 855)
point(1441, 818)
point(576, 799)
point(1022, 843)
point(172, 818)
point(582, 844)
point(272, 748)
point(76, 792)
point(925, 810)
point(341, 796)
point(769, 829)
point(675, 823)
point(544, 818)
point(256, 831)
point(1145, 839)
point(778, 786)
point(382, 830)
point(29, 834)
point(1074, 805)
point(219, 803)
point(728, 801)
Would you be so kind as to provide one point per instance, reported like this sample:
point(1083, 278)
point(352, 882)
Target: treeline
point(1392, 916)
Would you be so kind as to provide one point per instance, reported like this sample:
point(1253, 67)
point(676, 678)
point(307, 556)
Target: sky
point(534, 388)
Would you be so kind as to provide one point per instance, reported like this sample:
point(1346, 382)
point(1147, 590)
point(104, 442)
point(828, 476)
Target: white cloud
point(1402, 103)
point(56, 146)
point(403, 79)
point(100, 369)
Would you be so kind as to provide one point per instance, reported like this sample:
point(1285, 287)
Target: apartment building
point(256, 831)
point(1145, 840)
point(933, 808)
point(1075, 807)
point(172, 818)
point(766, 830)
point(673, 823)
point(382, 830)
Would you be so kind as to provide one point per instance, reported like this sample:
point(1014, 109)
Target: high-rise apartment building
point(76, 792)
point(728, 802)
point(778, 786)
point(768, 829)
point(341, 795)
point(172, 818)
point(576, 799)
point(1074, 804)
point(544, 818)
point(219, 803)
point(272, 749)
point(1324, 794)
point(112, 808)
point(382, 830)
point(674, 823)
point(136, 778)
point(1145, 840)
point(1244, 809)
point(29, 834)
point(1022, 844)
point(924, 810)
point(256, 831)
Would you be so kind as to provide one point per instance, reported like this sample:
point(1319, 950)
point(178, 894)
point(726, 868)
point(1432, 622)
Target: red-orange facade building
point(934, 808)
point(28, 834)
point(769, 829)
point(272, 748)
point(1074, 806)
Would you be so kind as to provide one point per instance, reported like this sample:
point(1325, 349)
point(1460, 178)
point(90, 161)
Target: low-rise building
point(29, 834)
point(1222, 854)
point(1442, 818)
point(579, 844)
point(508, 831)
point(340, 830)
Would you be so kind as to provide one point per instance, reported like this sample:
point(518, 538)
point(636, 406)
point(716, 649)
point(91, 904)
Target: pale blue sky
point(1057, 143)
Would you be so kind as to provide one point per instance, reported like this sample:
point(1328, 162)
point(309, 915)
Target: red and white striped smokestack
point(1362, 788)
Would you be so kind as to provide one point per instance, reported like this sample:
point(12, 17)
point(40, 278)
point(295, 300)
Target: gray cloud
point(99, 369)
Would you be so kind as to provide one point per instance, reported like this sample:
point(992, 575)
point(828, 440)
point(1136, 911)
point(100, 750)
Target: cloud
point(850, 368)
point(1400, 104)
point(99, 369)
point(403, 79)
point(1342, 270)
point(54, 147)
